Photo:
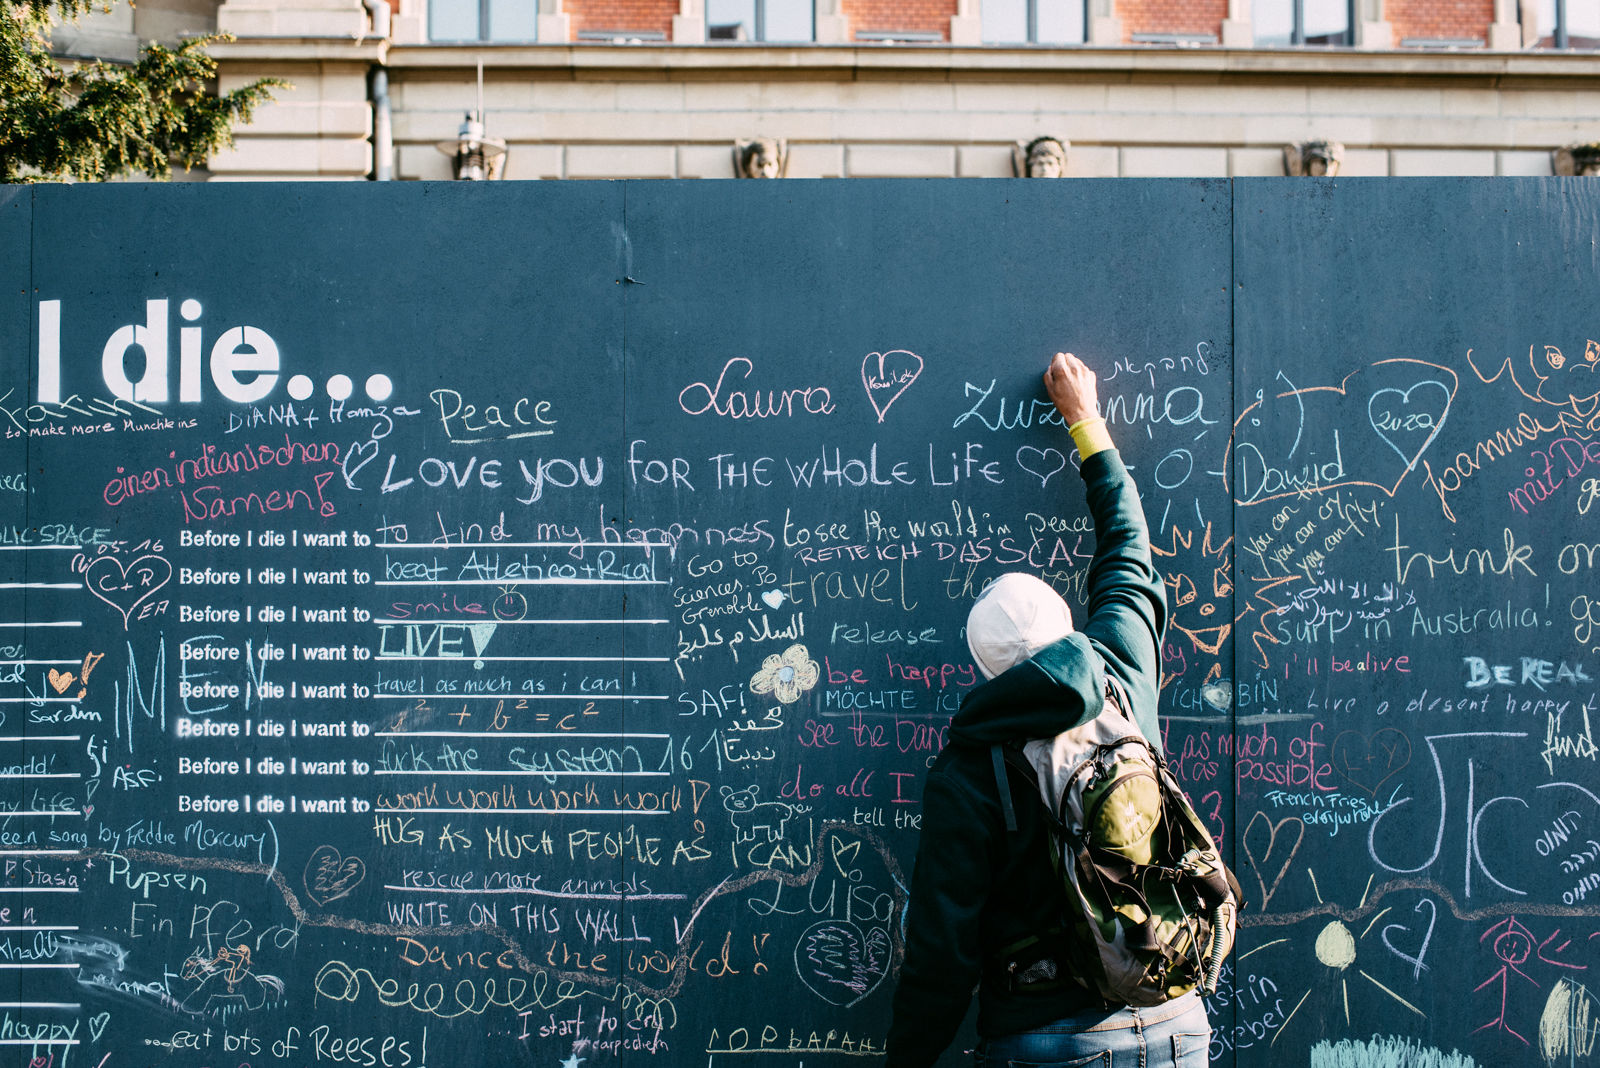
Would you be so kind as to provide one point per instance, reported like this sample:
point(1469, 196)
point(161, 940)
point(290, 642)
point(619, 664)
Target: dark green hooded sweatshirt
point(976, 888)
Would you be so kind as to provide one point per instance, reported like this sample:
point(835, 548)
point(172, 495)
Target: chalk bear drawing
point(749, 815)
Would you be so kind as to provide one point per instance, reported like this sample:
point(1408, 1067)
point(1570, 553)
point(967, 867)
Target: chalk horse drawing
point(225, 981)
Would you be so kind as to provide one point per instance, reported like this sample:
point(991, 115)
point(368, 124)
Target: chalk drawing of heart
point(126, 587)
point(1219, 694)
point(1427, 936)
point(841, 963)
point(1270, 848)
point(330, 876)
point(772, 599)
point(1042, 464)
point(1398, 419)
point(1368, 763)
point(886, 375)
point(366, 452)
point(60, 680)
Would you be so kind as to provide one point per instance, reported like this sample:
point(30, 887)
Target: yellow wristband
point(1090, 435)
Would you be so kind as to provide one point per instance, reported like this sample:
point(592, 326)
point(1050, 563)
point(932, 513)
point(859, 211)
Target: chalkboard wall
point(511, 624)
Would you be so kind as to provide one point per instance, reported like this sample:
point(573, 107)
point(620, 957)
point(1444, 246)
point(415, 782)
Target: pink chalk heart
point(126, 586)
point(840, 962)
point(886, 375)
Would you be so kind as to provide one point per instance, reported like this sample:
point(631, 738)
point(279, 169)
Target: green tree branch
point(94, 121)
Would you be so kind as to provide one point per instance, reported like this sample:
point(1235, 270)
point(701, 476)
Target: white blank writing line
point(523, 545)
point(713, 1054)
point(40, 548)
point(522, 582)
point(39, 700)
point(41, 585)
point(540, 893)
point(520, 697)
point(535, 659)
point(519, 772)
point(58, 623)
point(40, 737)
point(19, 967)
point(38, 889)
point(498, 623)
point(515, 734)
point(38, 1041)
point(48, 775)
point(42, 662)
point(70, 1006)
point(40, 852)
point(40, 927)
point(534, 811)
point(6, 814)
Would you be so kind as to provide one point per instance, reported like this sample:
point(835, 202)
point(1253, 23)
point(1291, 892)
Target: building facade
point(912, 88)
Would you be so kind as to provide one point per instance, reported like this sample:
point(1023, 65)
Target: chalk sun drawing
point(1336, 949)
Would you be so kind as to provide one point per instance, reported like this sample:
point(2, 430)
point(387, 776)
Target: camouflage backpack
point(1150, 909)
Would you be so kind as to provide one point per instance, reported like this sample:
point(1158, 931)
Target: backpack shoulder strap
point(997, 754)
point(1118, 693)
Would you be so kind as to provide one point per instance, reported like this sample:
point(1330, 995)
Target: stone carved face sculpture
point(1043, 157)
point(1313, 159)
point(763, 157)
point(1581, 161)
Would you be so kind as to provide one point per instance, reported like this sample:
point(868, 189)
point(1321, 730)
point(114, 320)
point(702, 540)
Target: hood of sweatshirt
point(1055, 689)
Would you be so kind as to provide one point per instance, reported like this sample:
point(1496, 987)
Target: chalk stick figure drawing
point(749, 815)
point(1514, 944)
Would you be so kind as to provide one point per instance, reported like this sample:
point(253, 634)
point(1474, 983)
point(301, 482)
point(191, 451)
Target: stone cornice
point(1476, 68)
point(300, 49)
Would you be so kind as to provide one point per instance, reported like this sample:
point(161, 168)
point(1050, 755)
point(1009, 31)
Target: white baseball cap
point(1014, 617)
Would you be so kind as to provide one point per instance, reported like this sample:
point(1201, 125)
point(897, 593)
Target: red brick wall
point(1439, 18)
point(916, 16)
point(621, 15)
point(1172, 16)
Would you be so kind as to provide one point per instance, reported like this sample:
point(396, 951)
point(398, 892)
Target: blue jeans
point(1174, 1035)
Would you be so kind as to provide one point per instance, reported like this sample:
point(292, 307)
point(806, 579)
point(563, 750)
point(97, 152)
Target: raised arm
point(1127, 598)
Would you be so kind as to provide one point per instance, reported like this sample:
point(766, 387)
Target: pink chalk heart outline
point(840, 962)
point(126, 587)
point(893, 374)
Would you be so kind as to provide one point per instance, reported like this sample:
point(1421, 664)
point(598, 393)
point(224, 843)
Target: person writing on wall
point(978, 891)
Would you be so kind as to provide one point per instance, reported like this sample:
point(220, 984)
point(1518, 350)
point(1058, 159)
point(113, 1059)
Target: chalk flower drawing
point(787, 675)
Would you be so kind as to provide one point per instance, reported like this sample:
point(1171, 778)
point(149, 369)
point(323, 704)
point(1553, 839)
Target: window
point(483, 20)
point(1303, 22)
point(1568, 23)
point(760, 20)
point(1054, 22)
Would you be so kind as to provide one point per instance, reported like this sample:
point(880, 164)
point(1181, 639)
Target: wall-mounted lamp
point(473, 156)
